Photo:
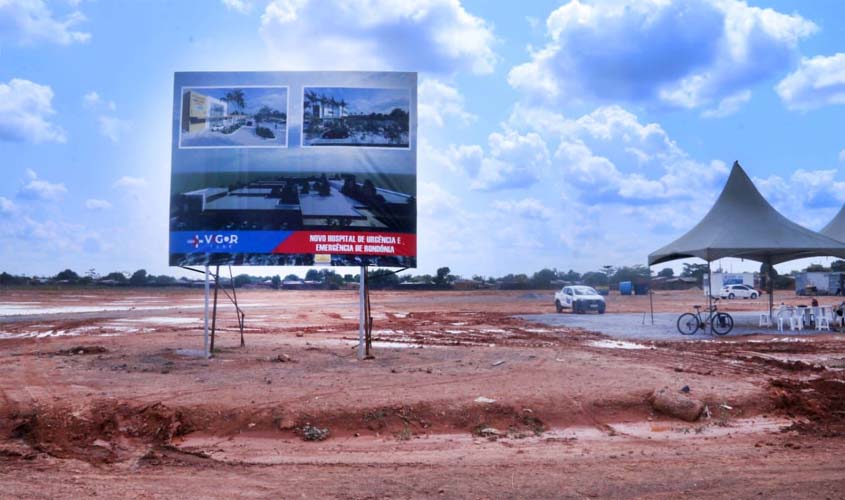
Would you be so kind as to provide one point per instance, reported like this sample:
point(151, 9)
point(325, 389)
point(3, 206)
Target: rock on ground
point(676, 404)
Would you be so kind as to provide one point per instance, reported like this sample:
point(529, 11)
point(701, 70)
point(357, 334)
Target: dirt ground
point(102, 393)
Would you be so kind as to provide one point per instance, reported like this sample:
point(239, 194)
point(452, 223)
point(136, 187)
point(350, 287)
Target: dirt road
point(102, 392)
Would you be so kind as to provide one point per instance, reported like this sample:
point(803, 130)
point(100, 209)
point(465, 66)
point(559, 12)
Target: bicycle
point(721, 323)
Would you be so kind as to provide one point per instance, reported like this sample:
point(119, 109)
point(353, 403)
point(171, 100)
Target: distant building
point(327, 109)
point(201, 112)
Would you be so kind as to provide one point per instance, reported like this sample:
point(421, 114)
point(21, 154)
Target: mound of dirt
point(104, 432)
point(821, 401)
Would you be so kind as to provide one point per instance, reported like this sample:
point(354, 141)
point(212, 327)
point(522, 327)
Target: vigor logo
point(214, 239)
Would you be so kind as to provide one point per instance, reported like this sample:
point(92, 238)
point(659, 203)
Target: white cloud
point(819, 81)
point(438, 102)
point(434, 201)
point(95, 204)
point(804, 194)
point(529, 208)
point(728, 106)
point(242, 6)
point(842, 155)
point(92, 100)
point(110, 126)
point(25, 107)
point(514, 161)
point(7, 206)
point(30, 21)
point(437, 36)
point(682, 53)
point(113, 128)
point(39, 189)
point(129, 182)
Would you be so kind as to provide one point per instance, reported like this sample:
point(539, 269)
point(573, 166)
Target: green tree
point(593, 278)
point(115, 276)
point(515, 282)
point(138, 278)
point(313, 275)
point(236, 97)
point(571, 276)
point(837, 266)
point(543, 278)
point(8, 279)
point(696, 271)
point(666, 272)
point(816, 268)
point(67, 275)
point(632, 273)
point(331, 279)
point(383, 278)
point(162, 280)
point(242, 279)
point(764, 269)
point(277, 282)
point(442, 278)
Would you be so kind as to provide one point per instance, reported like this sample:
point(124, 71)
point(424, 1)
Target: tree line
point(606, 276)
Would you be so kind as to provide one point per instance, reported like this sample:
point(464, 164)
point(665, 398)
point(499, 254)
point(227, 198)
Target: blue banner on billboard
point(269, 167)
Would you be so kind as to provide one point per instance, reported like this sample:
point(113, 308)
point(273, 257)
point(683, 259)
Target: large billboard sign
point(293, 168)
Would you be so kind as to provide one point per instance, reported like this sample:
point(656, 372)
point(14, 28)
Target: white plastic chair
point(764, 320)
point(782, 315)
point(796, 319)
point(822, 319)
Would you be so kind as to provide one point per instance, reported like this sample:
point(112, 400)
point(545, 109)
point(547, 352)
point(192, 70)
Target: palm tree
point(236, 97)
point(342, 105)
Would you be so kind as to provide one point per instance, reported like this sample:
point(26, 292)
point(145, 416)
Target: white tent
point(836, 227)
point(743, 224)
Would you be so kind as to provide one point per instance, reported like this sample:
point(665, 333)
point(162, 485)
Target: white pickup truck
point(579, 299)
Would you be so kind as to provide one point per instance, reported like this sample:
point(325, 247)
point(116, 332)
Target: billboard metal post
point(205, 329)
point(214, 308)
point(362, 316)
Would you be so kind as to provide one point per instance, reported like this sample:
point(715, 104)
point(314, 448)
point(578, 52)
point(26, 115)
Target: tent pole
point(651, 296)
point(709, 294)
point(771, 286)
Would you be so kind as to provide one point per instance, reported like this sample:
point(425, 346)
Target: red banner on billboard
point(349, 243)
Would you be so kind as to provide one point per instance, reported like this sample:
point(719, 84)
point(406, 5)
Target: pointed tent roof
point(743, 224)
point(836, 227)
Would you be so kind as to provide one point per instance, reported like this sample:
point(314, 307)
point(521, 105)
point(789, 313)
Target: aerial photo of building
point(293, 203)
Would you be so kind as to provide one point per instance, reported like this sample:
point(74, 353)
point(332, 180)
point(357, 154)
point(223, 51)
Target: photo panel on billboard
point(289, 168)
point(233, 117)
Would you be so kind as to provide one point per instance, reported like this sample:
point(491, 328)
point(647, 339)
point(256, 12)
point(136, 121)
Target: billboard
point(293, 168)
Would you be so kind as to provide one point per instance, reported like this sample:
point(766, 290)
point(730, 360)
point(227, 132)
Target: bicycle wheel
point(722, 324)
point(687, 323)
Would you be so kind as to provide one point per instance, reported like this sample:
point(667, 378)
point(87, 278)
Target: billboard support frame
point(241, 315)
point(205, 324)
point(362, 313)
point(214, 310)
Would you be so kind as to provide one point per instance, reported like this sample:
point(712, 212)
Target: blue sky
point(254, 97)
point(551, 134)
point(366, 101)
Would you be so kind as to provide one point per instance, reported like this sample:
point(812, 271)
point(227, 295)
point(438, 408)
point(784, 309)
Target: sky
point(568, 135)
point(255, 98)
point(366, 100)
